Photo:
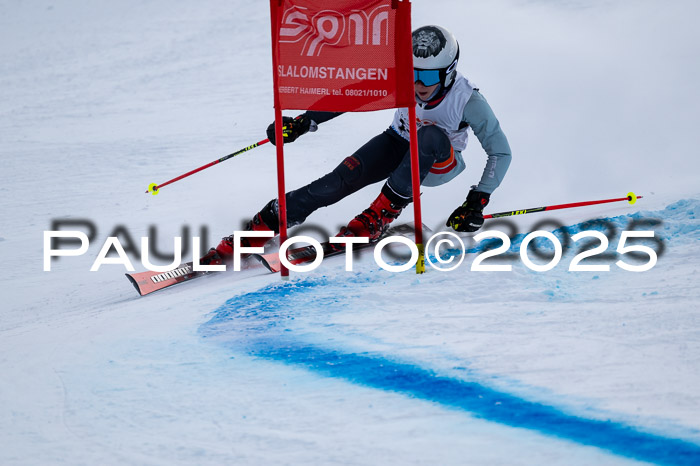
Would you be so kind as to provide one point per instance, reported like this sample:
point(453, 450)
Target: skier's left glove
point(292, 128)
point(470, 215)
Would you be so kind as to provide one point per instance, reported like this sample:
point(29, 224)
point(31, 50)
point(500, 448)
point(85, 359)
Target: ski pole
point(153, 188)
point(631, 198)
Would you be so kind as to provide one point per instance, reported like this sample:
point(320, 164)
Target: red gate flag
point(342, 56)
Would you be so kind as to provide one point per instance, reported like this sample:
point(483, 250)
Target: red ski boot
point(224, 251)
point(374, 220)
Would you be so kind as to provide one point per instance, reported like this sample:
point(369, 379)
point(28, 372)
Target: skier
point(447, 106)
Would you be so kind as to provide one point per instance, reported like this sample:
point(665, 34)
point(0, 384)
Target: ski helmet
point(435, 56)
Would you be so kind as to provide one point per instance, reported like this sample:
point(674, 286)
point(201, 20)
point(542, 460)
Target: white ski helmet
point(435, 56)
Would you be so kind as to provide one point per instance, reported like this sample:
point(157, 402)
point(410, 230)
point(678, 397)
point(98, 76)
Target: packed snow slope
point(100, 99)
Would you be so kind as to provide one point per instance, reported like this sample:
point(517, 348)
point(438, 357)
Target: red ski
point(148, 282)
point(303, 255)
point(307, 254)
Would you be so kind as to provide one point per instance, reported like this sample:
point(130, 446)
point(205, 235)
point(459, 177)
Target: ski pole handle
point(153, 188)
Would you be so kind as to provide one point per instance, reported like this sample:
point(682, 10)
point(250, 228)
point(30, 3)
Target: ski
point(306, 254)
point(148, 282)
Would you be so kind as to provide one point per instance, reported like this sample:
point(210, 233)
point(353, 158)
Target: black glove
point(292, 128)
point(470, 215)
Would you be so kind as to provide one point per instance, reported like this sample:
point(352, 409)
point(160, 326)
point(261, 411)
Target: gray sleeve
point(478, 113)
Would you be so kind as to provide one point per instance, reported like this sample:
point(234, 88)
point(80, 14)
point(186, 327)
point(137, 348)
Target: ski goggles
point(427, 77)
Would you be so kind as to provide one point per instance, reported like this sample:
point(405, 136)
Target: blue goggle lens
point(427, 77)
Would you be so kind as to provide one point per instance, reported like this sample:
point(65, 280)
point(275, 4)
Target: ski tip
point(265, 260)
point(260, 258)
point(133, 282)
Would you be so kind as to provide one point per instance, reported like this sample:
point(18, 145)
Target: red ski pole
point(631, 198)
point(153, 188)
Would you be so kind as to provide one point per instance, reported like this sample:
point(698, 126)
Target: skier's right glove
point(292, 128)
point(470, 215)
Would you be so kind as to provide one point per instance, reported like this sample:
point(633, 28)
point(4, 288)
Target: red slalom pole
point(631, 198)
point(415, 185)
point(153, 187)
point(281, 190)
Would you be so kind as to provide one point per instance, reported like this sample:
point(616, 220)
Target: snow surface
point(99, 99)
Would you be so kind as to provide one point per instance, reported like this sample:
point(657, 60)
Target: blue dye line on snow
point(255, 322)
point(485, 403)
